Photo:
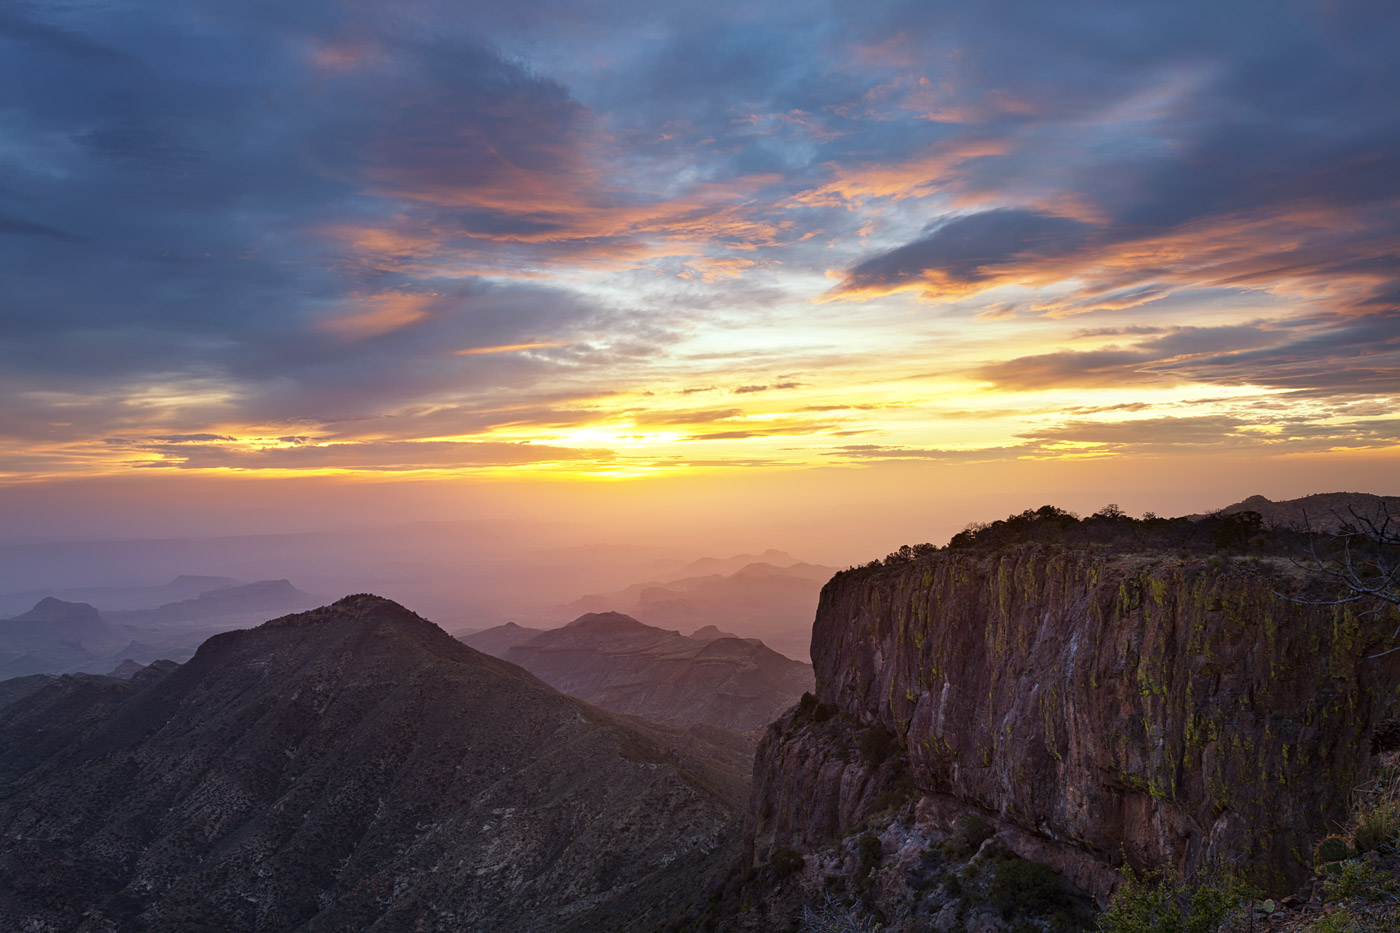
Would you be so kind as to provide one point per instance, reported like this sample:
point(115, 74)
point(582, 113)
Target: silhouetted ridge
point(627, 666)
point(607, 623)
point(347, 608)
point(348, 622)
point(735, 647)
point(50, 609)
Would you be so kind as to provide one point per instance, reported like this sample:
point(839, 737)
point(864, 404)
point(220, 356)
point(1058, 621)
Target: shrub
point(1020, 886)
point(822, 712)
point(868, 854)
point(1377, 827)
point(897, 796)
point(1357, 879)
point(876, 744)
point(969, 832)
point(806, 704)
point(785, 861)
point(1160, 903)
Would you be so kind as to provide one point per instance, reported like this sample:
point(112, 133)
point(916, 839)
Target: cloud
point(692, 416)
point(1331, 355)
point(386, 456)
point(359, 224)
point(967, 251)
point(750, 389)
point(192, 438)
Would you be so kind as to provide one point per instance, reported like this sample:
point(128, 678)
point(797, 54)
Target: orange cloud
point(916, 178)
point(507, 348)
point(375, 315)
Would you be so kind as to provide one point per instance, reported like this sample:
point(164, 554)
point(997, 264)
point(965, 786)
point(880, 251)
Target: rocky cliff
point(1095, 707)
point(349, 768)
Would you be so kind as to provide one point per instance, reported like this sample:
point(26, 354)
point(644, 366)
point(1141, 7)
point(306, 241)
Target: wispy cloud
point(328, 237)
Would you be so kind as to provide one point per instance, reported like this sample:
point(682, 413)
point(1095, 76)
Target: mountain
point(500, 639)
point(17, 688)
point(348, 768)
point(1325, 511)
point(55, 635)
point(58, 636)
point(756, 599)
point(54, 620)
point(710, 633)
point(707, 566)
point(616, 662)
point(184, 586)
point(241, 603)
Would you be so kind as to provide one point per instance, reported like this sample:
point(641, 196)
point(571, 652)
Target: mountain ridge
point(147, 802)
point(619, 663)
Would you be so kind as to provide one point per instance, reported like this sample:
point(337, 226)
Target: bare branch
point(1365, 561)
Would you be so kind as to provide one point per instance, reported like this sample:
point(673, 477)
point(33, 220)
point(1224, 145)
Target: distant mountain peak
point(196, 579)
point(1320, 511)
point(710, 633)
point(606, 623)
point(357, 604)
point(51, 609)
point(354, 608)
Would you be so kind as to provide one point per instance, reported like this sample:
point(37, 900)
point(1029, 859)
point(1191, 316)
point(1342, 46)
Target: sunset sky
point(450, 255)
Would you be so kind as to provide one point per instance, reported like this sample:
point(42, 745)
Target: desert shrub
point(835, 916)
point(1020, 886)
point(806, 704)
point(1377, 827)
point(897, 796)
point(823, 711)
point(1160, 903)
point(876, 744)
point(785, 861)
point(868, 854)
point(969, 832)
point(1356, 879)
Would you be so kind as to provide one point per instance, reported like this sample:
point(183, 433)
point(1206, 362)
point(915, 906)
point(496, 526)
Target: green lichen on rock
point(1235, 719)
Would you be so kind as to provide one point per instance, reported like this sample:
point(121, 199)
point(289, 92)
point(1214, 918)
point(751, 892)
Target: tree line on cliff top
point(1359, 562)
point(1112, 528)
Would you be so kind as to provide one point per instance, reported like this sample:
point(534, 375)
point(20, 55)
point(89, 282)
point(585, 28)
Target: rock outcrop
point(349, 768)
point(1096, 708)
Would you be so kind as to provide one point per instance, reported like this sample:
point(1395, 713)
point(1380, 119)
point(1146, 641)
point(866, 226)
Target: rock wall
point(1159, 711)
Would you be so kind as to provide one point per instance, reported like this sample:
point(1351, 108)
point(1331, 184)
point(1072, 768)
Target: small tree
point(1365, 561)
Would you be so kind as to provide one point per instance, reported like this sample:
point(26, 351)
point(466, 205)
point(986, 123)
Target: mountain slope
point(348, 768)
point(758, 599)
point(496, 641)
point(1323, 511)
point(614, 661)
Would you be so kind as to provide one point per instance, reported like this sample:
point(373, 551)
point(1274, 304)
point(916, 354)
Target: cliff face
point(1098, 708)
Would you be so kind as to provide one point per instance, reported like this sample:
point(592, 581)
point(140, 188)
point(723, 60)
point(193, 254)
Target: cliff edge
point(1099, 708)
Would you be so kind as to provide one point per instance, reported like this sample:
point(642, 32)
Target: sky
point(782, 268)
